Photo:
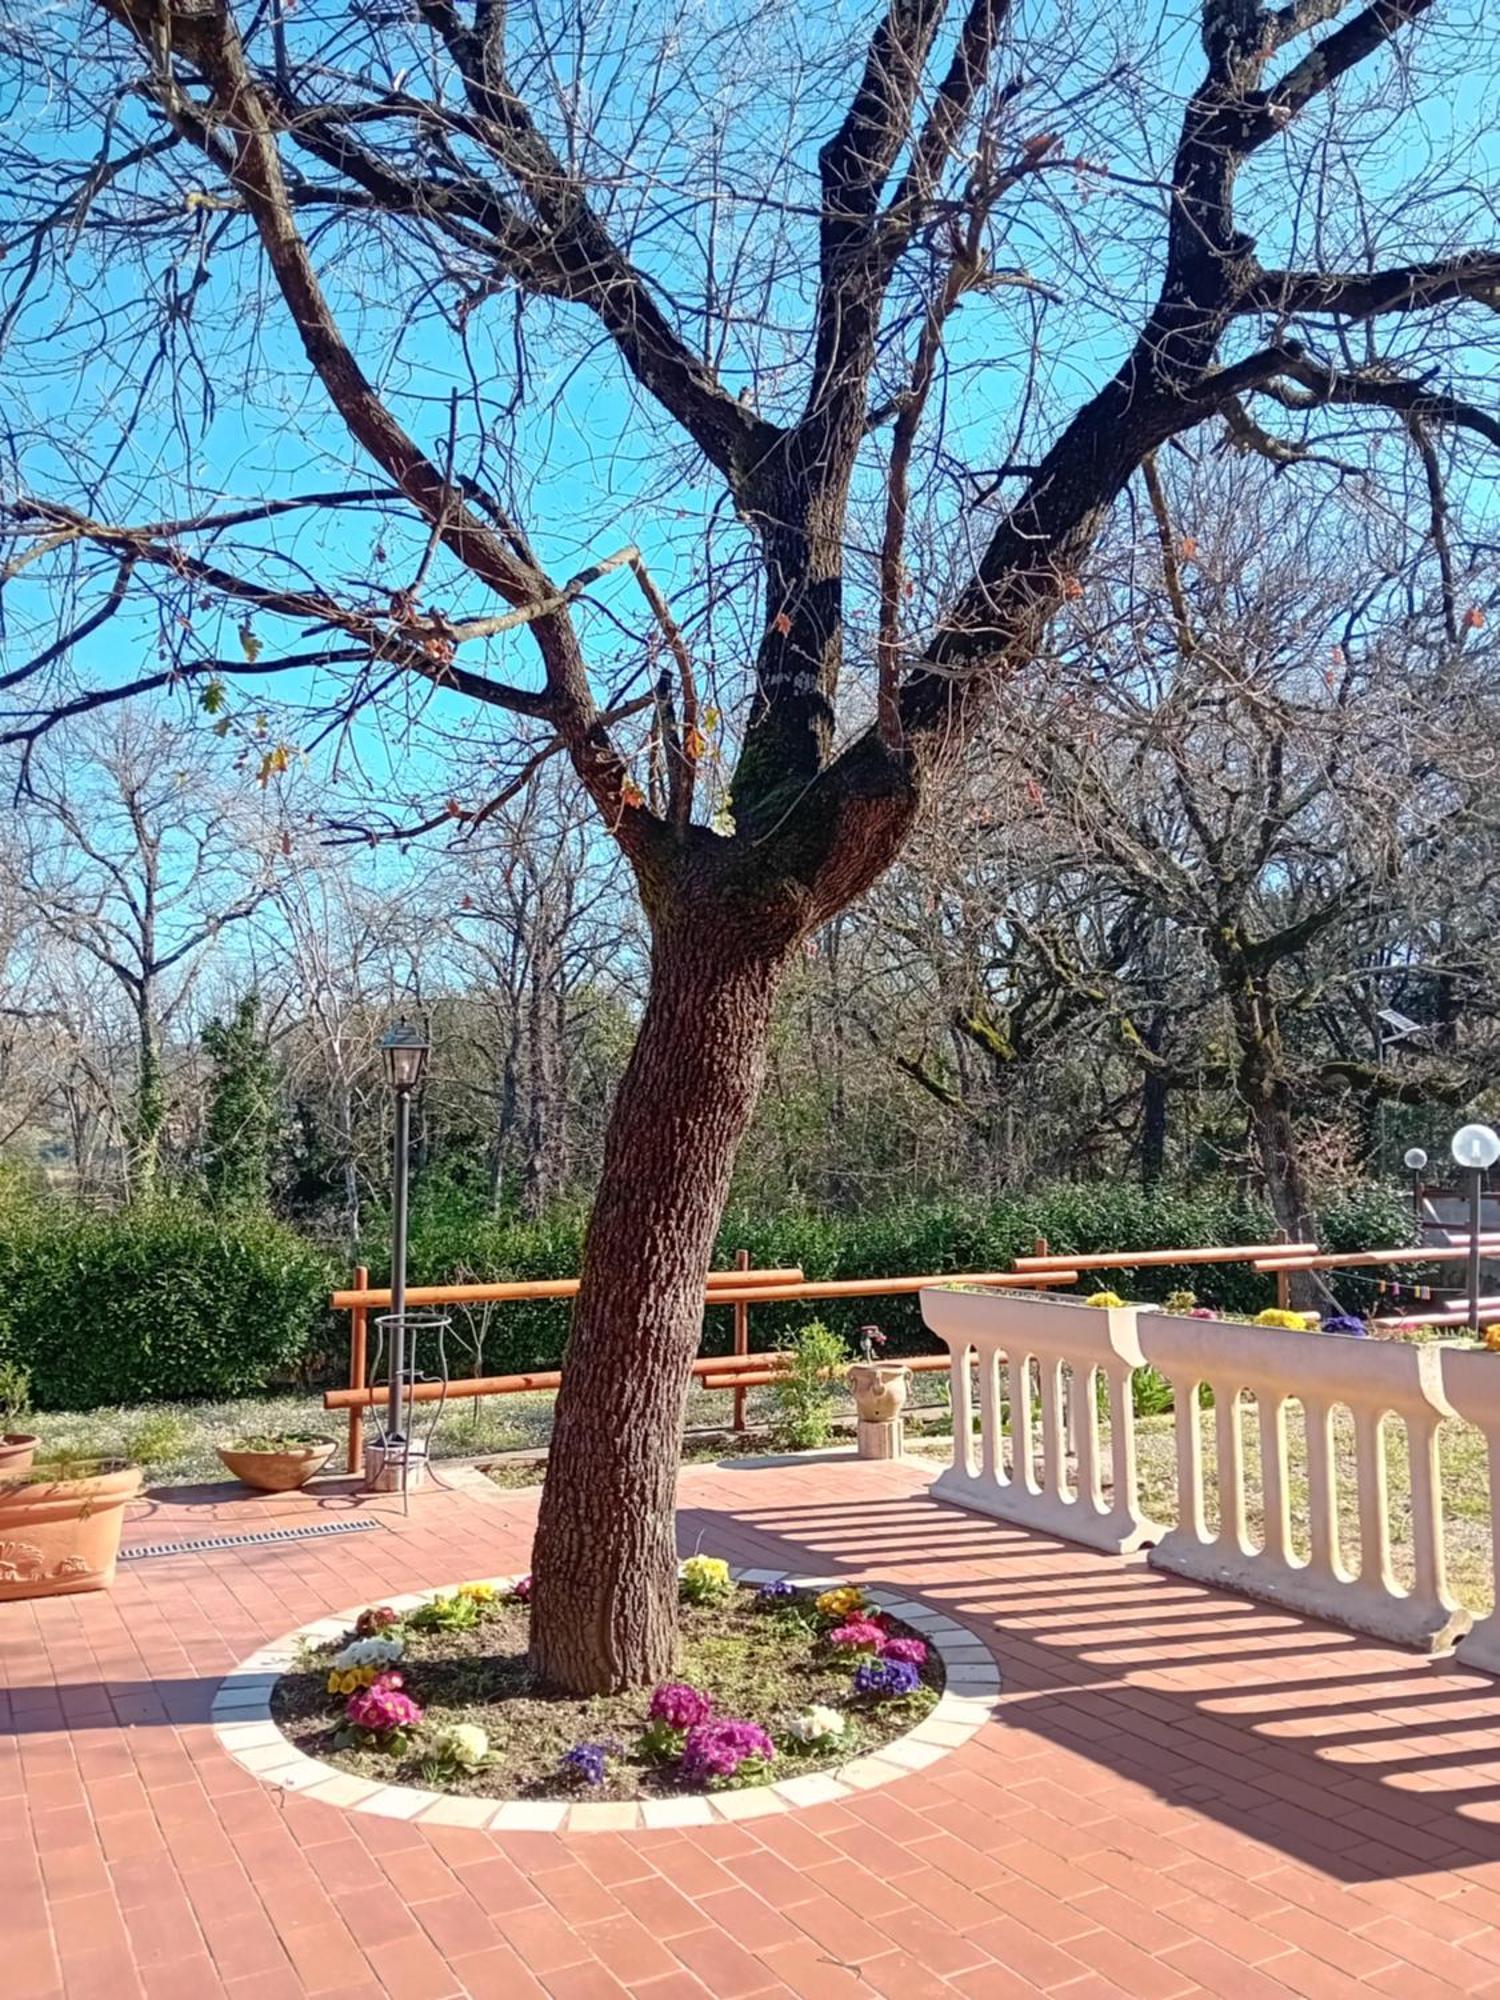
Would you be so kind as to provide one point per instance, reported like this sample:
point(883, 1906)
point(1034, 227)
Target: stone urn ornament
point(880, 1392)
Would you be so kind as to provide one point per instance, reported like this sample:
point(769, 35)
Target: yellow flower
point(1105, 1299)
point(1290, 1322)
point(478, 1593)
point(841, 1602)
point(333, 1683)
point(1492, 1335)
point(705, 1577)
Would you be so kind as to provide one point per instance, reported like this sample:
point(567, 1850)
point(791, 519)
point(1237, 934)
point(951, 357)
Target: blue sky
point(599, 469)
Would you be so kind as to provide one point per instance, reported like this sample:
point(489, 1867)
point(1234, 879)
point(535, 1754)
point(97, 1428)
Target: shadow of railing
point(1326, 1748)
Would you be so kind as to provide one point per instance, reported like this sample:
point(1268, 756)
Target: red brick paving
point(1181, 1793)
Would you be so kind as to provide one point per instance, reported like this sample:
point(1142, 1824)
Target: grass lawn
point(176, 1441)
point(1465, 1490)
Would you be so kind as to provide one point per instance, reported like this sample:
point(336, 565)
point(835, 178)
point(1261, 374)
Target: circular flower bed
point(771, 1682)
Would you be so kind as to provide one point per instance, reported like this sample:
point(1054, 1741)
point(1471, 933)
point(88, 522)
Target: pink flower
point(678, 1706)
point(860, 1635)
point(520, 1590)
point(382, 1708)
point(913, 1651)
point(717, 1749)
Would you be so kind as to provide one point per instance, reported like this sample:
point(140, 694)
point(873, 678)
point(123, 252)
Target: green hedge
point(449, 1239)
point(170, 1301)
point(161, 1301)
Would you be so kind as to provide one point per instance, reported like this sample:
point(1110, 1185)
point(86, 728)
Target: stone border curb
point(242, 1722)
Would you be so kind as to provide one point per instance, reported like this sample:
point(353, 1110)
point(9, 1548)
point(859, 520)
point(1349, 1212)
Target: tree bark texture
point(604, 1606)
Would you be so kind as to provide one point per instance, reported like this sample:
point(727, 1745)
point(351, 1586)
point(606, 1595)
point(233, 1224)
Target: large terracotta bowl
point(61, 1533)
point(279, 1471)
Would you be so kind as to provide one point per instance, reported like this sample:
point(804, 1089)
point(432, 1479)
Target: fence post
point(1039, 1246)
point(741, 1340)
point(357, 1345)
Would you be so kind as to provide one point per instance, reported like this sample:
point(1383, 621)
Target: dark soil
point(758, 1666)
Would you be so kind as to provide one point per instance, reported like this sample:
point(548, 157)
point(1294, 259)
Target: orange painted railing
point(736, 1372)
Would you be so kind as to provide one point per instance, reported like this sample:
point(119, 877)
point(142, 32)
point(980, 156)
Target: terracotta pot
point(278, 1471)
point(880, 1389)
point(63, 1534)
point(17, 1448)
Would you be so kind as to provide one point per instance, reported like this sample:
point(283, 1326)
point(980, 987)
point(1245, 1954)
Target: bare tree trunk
point(148, 1111)
point(540, 1177)
point(604, 1605)
point(1154, 1107)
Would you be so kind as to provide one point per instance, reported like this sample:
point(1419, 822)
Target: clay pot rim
point(309, 1449)
point(107, 1477)
point(18, 1437)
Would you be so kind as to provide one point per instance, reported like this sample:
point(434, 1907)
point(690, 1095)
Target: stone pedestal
point(384, 1465)
point(880, 1392)
point(880, 1439)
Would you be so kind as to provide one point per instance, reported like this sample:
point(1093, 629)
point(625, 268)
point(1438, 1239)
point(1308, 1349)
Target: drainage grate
point(262, 1538)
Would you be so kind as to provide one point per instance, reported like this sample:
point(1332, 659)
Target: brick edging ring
point(242, 1722)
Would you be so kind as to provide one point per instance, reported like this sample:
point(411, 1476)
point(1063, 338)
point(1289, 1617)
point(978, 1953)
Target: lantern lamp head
point(1476, 1147)
point(405, 1050)
point(1415, 1159)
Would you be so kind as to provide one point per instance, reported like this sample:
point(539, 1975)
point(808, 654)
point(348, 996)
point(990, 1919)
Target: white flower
point(817, 1725)
point(462, 1743)
point(369, 1653)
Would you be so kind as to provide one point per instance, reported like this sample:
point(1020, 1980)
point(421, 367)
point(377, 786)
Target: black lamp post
point(405, 1051)
point(1476, 1148)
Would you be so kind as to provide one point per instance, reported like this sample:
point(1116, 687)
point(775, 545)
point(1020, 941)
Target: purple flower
point(913, 1651)
point(520, 1590)
point(678, 1706)
point(585, 1763)
point(887, 1680)
point(771, 1594)
point(1344, 1323)
point(717, 1749)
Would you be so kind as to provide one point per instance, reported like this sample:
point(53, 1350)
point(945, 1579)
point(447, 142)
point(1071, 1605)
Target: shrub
point(158, 1301)
point(804, 1396)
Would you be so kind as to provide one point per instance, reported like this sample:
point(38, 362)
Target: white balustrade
point(1323, 1372)
point(1471, 1383)
point(1051, 1352)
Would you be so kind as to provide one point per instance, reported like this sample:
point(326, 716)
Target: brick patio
point(1181, 1792)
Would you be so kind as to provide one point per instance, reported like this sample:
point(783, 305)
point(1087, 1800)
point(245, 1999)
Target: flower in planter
point(860, 1635)
point(679, 1706)
point(844, 1601)
point(772, 1596)
point(461, 1744)
point(520, 1590)
point(817, 1727)
point(1104, 1299)
point(1492, 1336)
point(705, 1579)
point(1344, 1323)
point(913, 1651)
point(1179, 1302)
point(453, 1613)
point(383, 1711)
point(477, 1593)
point(1289, 1322)
point(371, 1652)
point(871, 1340)
point(377, 1619)
point(362, 1662)
point(586, 1763)
point(887, 1680)
point(725, 1749)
